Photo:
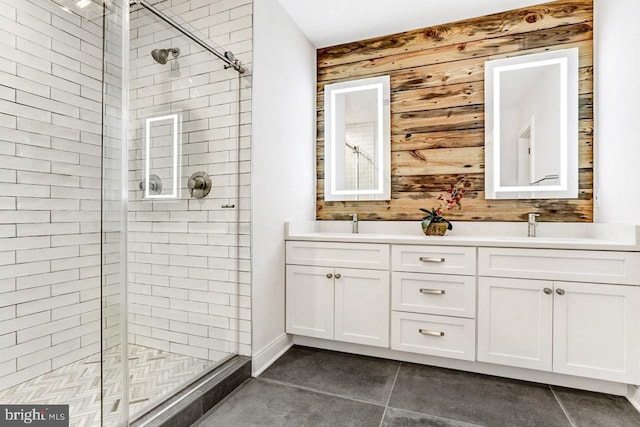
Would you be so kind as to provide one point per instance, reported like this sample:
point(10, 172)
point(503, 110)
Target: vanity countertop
point(579, 236)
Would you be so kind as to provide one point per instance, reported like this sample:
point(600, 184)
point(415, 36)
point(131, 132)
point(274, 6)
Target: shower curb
point(191, 403)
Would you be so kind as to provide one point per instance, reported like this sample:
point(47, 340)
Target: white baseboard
point(265, 357)
point(633, 396)
point(479, 367)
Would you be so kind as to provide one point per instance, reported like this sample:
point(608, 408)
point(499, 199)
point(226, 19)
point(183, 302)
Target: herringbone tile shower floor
point(153, 374)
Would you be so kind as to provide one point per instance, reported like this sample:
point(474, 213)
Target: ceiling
point(332, 22)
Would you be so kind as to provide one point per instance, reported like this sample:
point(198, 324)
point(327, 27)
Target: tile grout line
point(566, 413)
point(386, 406)
point(393, 386)
point(438, 417)
point(313, 390)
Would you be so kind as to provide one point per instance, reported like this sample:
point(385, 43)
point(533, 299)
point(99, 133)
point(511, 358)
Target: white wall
point(617, 144)
point(282, 162)
point(544, 107)
point(617, 111)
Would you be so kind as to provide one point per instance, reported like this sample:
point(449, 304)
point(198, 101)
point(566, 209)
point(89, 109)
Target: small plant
point(448, 200)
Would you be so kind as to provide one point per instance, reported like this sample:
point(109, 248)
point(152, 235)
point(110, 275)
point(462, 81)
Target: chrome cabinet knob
point(560, 291)
point(548, 291)
point(329, 275)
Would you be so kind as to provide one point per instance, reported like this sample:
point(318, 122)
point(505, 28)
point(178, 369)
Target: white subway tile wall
point(189, 267)
point(50, 170)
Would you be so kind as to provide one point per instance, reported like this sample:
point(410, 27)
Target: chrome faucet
point(532, 224)
point(354, 223)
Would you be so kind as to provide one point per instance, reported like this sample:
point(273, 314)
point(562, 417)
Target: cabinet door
point(596, 331)
point(515, 322)
point(309, 298)
point(362, 306)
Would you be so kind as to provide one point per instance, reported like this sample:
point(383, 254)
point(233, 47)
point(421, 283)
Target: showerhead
point(162, 55)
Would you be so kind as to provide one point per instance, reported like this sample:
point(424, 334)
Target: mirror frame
point(382, 190)
point(568, 176)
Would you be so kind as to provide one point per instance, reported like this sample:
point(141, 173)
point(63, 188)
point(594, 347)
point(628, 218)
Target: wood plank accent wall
point(437, 110)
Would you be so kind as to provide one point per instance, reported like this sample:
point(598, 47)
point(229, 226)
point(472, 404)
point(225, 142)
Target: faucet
point(532, 224)
point(354, 223)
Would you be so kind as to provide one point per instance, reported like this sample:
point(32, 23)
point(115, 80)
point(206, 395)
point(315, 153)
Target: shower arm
point(227, 57)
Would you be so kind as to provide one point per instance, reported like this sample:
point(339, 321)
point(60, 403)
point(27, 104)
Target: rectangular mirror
point(531, 126)
point(162, 141)
point(357, 146)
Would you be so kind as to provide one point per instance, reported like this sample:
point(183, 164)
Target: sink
point(593, 236)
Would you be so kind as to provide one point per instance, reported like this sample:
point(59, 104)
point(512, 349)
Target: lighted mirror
point(162, 137)
point(357, 140)
point(531, 126)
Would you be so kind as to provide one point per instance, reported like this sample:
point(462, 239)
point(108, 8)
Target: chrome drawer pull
point(430, 259)
point(432, 291)
point(432, 333)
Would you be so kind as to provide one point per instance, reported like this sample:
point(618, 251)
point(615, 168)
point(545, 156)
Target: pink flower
point(454, 194)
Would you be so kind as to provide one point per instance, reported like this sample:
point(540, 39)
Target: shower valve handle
point(155, 185)
point(199, 184)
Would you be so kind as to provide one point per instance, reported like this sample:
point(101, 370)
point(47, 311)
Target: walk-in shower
point(112, 300)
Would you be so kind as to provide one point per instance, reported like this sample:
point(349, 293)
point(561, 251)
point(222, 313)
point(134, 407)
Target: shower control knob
point(155, 185)
point(199, 184)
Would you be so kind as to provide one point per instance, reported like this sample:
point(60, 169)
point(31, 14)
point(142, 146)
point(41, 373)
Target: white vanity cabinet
point(570, 327)
point(326, 298)
point(434, 314)
point(565, 313)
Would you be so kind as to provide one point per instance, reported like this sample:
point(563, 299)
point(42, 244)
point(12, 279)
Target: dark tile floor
point(310, 387)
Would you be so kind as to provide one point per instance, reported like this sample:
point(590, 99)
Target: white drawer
point(569, 265)
point(434, 259)
point(441, 294)
point(441, 336)
point(331, 254)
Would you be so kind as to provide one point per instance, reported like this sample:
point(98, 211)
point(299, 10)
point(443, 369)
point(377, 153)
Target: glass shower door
point(183, 312)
